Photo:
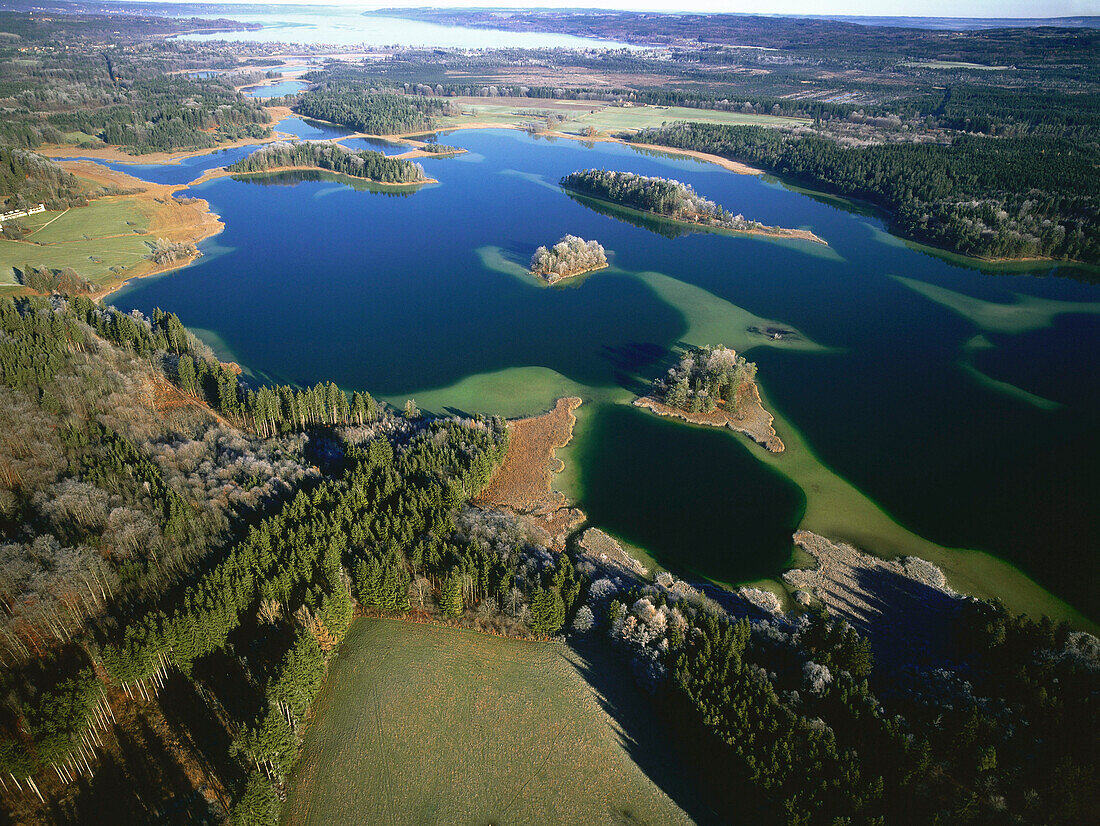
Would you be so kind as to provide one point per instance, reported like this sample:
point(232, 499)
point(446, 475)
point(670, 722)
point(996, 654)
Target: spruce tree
point(450, 595)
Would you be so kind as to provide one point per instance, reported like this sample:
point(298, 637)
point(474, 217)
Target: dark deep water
point(314, 279)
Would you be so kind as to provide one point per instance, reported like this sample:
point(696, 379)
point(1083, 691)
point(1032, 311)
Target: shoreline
point(224, 172)
point(778, 233)
point(755, 422)
point(541, 276)
point(187, 222)
point(523, 484)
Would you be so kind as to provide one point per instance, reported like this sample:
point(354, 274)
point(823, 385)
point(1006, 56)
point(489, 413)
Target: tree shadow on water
point(633, 363)
point(647, 738)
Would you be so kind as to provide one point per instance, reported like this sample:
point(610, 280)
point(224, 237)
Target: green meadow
point(422, 724)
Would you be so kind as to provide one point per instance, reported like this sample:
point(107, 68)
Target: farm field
point(582, 114)
point(108, 233)
point(425, 724)
point(107, 241)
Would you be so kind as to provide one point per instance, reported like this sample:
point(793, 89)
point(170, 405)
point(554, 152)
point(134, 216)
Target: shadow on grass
point(647, 738)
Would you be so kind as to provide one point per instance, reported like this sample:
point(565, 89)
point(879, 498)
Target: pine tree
point(547, 612)
point(450, 595)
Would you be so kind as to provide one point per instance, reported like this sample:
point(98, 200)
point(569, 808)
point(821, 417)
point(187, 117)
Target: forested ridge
point(152, 119)
point(998, 197)
point(661, 196)
point(364, 108)
point(363, 163)
point(28, 179)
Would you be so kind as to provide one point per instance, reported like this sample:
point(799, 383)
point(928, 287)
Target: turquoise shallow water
point(404, 292)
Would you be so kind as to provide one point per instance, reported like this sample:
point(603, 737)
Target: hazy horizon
point(987, 9)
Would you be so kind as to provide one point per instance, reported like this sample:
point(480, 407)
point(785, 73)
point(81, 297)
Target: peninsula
point(569, 257)
point(670, 199)
point(714, 386)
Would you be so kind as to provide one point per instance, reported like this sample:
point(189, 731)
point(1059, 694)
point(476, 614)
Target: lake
point(927, 404)
point(345, 26)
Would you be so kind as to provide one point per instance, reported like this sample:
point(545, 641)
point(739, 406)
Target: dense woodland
point(142, 537)
point(170, 114)
point(998, 197)
point(705, 378)
point(370, 110)
point(794, 723)
point(28, 179)
point(373, 166)
point(570, 256)
point(662, 196)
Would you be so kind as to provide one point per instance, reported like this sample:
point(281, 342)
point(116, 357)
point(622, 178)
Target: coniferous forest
point(373, 166)
point(186, 545)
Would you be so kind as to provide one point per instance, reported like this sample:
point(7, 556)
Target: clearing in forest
point(424, 724)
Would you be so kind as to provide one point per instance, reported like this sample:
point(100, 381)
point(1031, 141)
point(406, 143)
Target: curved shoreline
point(542, 275)
point(754, 421)
point(224, 172)
point(769, 232)
point(190, 222)
point(523, 484)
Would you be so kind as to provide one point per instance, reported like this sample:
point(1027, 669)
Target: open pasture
point(98, 240)
point(424, 724)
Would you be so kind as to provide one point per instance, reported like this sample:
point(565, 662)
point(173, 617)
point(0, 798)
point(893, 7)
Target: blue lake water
point(347, 26)
point(275, 90)
point(395, 292)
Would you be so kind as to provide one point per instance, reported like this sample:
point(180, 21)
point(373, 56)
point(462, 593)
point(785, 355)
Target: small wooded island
point(570, 256)
point(331, 157)
point(670, 199)
point(714, 386)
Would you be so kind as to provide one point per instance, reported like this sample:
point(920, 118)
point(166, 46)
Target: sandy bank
point(542, 276)
point(186, 221)
point(753, 420)
point(523, 484)
point(224, 172)
point(725, 163)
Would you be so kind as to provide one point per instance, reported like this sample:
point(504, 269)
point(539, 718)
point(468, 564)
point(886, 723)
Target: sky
point(910, 8)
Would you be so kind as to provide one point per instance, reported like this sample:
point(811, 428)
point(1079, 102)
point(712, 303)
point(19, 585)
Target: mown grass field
point(108, 233)
point(580, 115)
point(421, 724)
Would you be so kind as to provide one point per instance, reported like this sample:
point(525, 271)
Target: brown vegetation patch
point(751, 419)
point(523, 484)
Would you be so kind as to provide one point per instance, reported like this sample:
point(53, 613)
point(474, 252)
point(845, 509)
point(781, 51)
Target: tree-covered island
point(670, 199)
point(570, 256)
point(714, 386)
point(331, 157)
